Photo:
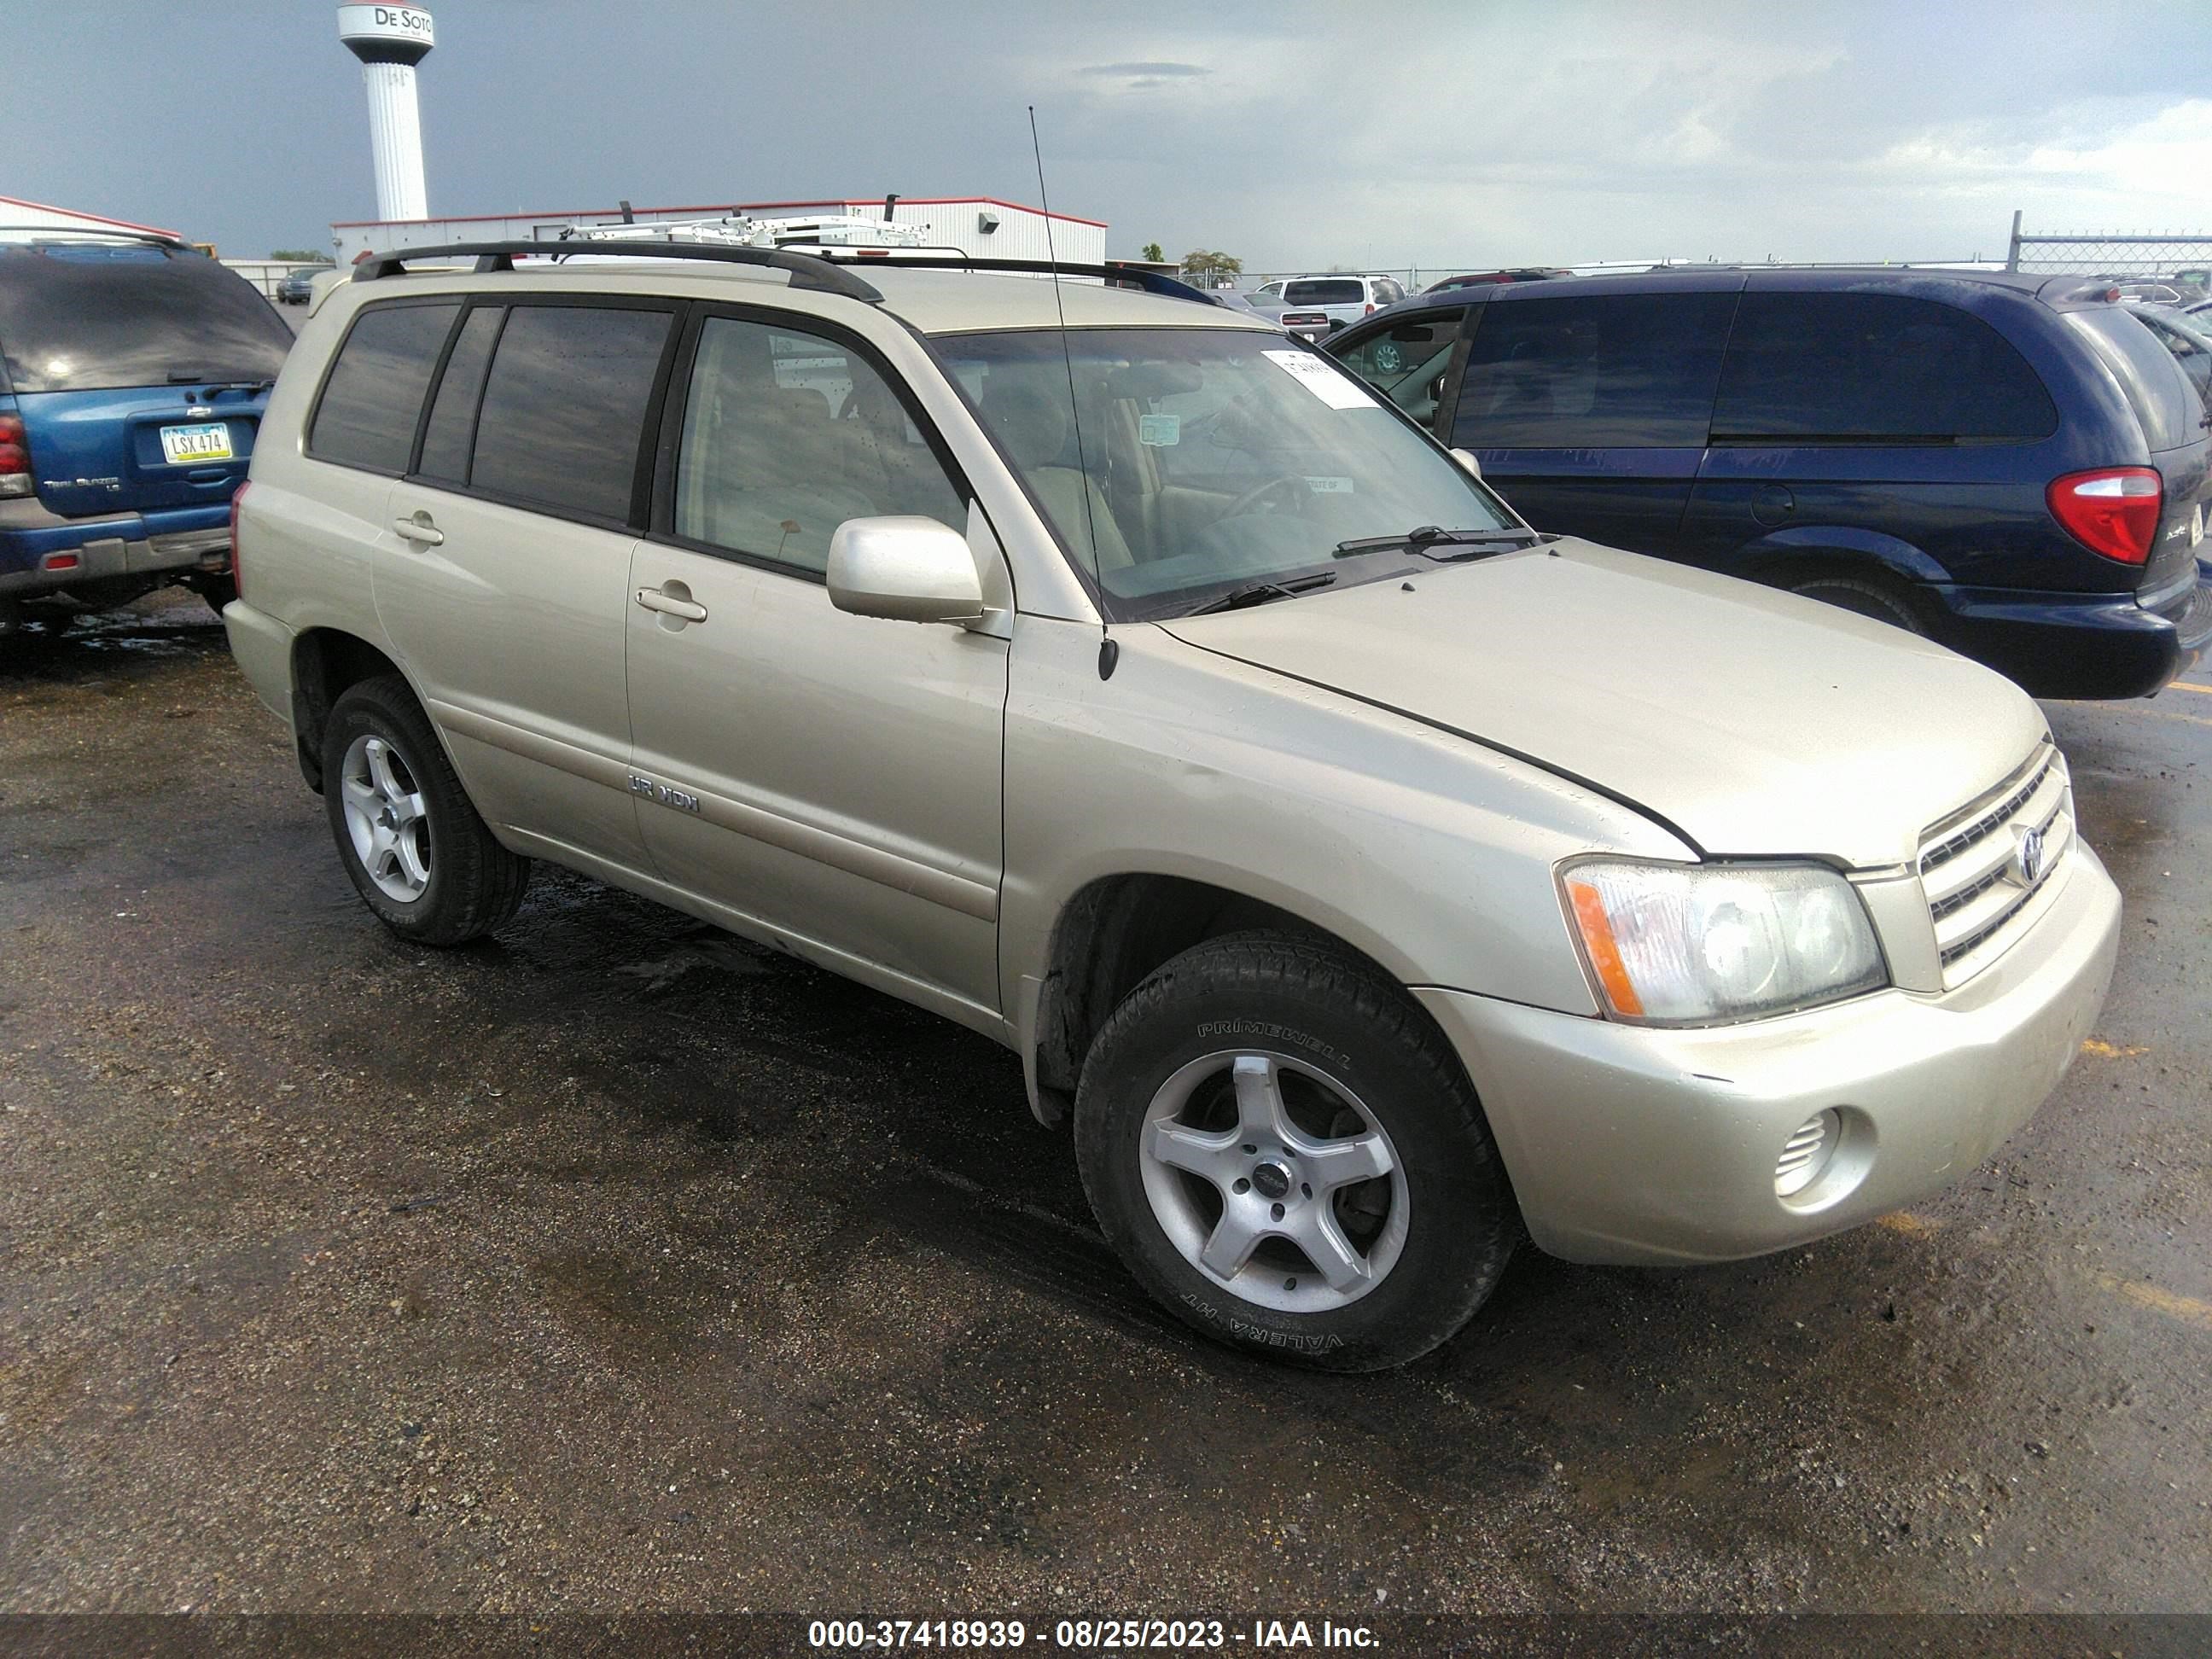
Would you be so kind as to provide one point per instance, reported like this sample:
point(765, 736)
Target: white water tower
point(390, 41)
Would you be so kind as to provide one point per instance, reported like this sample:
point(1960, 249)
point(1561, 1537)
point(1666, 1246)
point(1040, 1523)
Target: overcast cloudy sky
point(1377, 135)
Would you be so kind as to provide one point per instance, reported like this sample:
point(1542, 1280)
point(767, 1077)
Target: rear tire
point(1284, 1151)
point(1863, 599)
point(410, 840)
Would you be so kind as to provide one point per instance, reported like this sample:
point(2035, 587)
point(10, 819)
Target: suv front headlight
point(1703, 944)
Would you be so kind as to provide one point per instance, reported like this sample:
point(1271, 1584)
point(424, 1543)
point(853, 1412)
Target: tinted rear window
point(2151, 379)
point(2189, 346)
point(1346, 293)
point(1874, 366)
point(81, 317)
point(1630, 371)
point(564, 406)
point(374, 394)
point(452, 425)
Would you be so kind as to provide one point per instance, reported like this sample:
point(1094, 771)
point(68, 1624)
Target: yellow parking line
point(2190, 685)
point(2156, 1298)
point(2186, 1309)
point(2104, 1050)
point(2162, 714)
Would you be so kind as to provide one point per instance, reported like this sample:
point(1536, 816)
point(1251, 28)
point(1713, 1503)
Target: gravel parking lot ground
point(615, 1262)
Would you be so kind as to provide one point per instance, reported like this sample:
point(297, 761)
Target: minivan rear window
point(2149, 378)
point(1616, 371)
point(1345, 293)
point(87, 317)
point(1880, 367)
point(2189, 345)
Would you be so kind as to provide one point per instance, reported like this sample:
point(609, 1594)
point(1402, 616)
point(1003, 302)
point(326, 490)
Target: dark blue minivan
point(2014, 465)
point(133, 373)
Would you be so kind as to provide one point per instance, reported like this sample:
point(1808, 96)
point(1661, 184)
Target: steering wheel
point(1252, 497)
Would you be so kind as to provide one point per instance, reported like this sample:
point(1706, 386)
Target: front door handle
point(419, 529)
point(668, 605)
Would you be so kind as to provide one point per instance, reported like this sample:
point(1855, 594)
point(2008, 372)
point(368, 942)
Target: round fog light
point(1806, 1155)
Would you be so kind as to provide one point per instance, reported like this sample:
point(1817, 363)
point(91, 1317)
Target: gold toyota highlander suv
point(1370, 878)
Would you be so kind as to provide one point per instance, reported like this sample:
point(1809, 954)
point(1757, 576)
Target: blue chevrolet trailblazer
point(133, 373)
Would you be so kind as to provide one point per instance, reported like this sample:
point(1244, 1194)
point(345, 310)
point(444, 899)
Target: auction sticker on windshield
point(1330, 385)
point(210, 442)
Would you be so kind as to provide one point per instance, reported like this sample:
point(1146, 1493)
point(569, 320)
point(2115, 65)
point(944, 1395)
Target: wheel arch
point(326, 662)
point(1804, 552)
point(1106, 938)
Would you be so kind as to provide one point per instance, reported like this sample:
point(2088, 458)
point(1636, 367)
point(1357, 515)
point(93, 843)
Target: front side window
point(1194, 460)
point(374, 394)
point(1627, 371)
point(1406, 363)
point(1873, 366)
point(785, 436)
point(564, 407)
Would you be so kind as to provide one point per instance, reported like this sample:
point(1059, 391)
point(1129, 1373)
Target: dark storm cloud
point(1511, 132)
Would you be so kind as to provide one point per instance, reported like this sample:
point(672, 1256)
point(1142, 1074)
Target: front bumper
point(1627, 1144)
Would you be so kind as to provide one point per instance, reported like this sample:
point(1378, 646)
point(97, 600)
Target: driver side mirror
point(903, 568)
point(1465, 457)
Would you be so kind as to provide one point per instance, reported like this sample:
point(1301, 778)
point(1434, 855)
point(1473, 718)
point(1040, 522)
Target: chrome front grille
point(1982, 868)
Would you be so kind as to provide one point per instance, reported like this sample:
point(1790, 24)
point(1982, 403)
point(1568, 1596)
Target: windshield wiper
point(1422, 537)
point(1237, 598)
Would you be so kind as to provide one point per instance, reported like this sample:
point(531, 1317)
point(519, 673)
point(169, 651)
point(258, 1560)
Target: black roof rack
point(73, 232)
point(1151, 281)
point(807, 269)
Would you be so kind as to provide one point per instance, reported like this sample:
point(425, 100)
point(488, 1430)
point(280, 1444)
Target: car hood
point(1753, 722)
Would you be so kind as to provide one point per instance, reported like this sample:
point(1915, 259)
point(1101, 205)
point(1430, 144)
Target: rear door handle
point(420, 529)
point(669, 605)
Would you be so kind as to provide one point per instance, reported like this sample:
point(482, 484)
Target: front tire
point(1285, 1152)
point(411, 841)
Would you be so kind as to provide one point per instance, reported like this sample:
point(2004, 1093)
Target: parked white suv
point(1367, 876)
point(1316, 306)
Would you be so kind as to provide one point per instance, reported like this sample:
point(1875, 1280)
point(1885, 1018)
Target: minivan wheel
point(410, 840)
point(1862, 598)
point(1284, 1151)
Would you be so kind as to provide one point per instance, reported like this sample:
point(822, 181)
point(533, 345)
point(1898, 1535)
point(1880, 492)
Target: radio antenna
point(1109, 652)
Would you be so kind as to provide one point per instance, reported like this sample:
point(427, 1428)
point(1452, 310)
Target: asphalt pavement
point(614, 1262)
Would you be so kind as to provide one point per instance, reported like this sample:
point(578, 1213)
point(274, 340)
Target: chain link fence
point(2185, 261)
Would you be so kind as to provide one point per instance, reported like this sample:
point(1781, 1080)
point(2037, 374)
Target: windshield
point(1211, 458)
point(82, 317)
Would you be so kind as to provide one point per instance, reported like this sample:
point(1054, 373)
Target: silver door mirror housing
point(1465, 459)
point(905, 568)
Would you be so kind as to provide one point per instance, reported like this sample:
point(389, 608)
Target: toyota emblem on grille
point(2028, 863)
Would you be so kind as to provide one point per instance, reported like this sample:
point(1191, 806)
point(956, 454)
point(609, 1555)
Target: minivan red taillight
point(2114, 510)
point(237, 565)
point(15, 478)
